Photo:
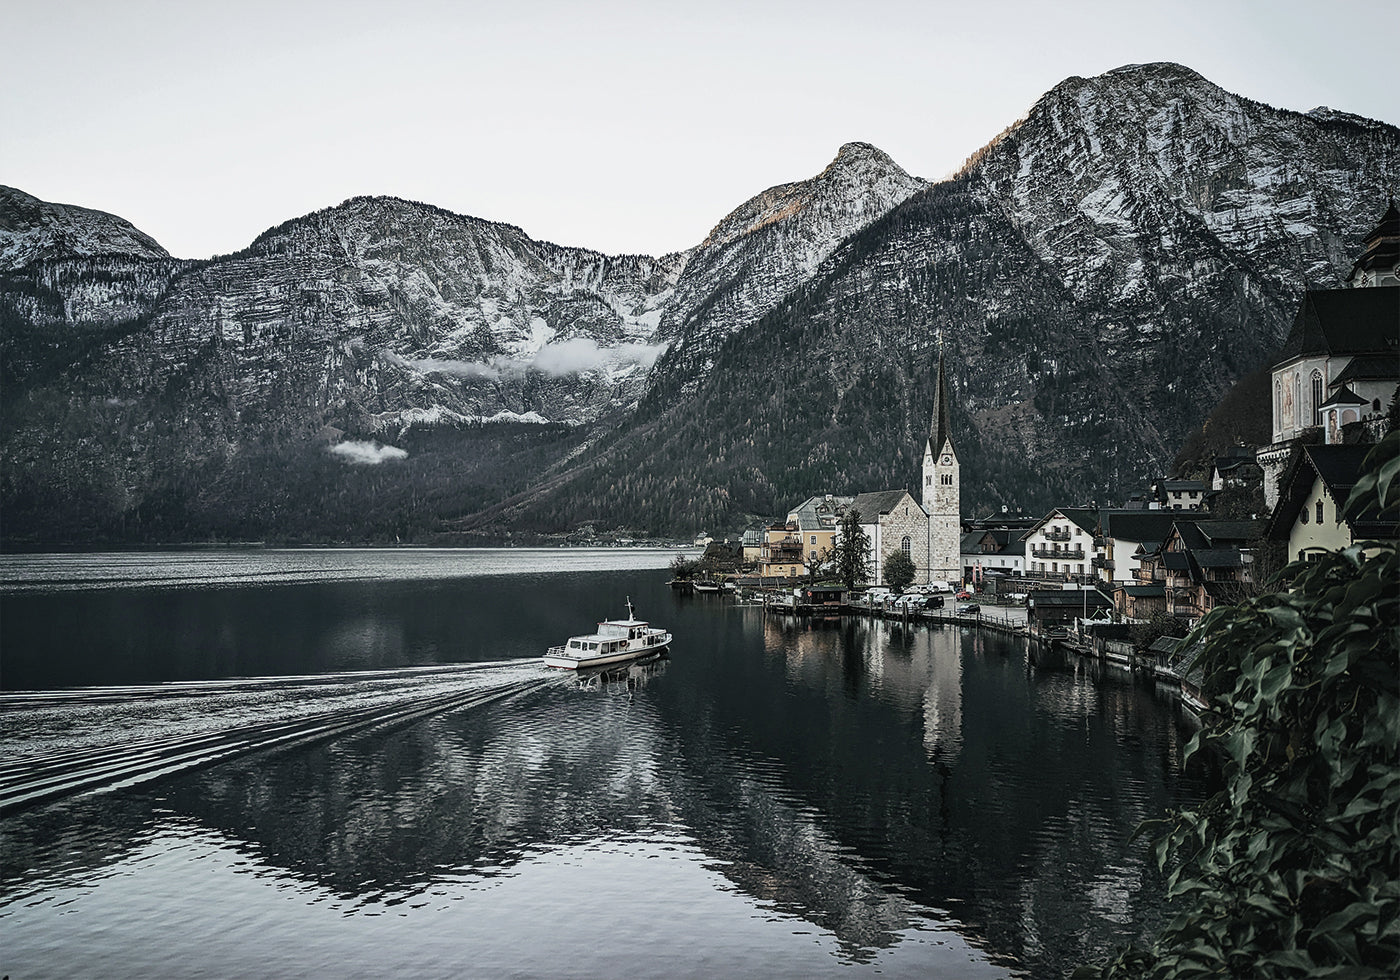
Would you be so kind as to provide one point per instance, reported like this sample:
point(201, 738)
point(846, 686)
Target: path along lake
point(351, 764)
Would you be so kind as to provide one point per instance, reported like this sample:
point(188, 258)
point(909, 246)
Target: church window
point(1278, 405)
point(1375, 404)
point(1304, 515)
point(904, 545)
point(1316, 395)
point(1319, 512)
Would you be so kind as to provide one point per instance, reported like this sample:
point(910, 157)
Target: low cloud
point(567, 357)
point(366, 453)
point(581, 354)
point(439, 365)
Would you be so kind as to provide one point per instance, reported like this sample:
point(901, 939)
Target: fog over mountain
point(1099, 274)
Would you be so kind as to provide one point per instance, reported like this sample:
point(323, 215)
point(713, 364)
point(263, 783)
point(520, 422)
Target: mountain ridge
point(1127, 218)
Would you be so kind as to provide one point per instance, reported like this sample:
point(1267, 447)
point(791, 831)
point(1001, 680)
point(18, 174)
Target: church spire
point(938, 430)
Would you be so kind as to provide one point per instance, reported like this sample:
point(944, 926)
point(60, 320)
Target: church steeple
point(938, 430)
point(942, 496)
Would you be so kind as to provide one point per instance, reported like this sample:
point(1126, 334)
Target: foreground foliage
point(1293, 868)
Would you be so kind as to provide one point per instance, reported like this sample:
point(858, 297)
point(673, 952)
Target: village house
point(992, 550)
point(1200, 564)
point(1179, 494)
point(1236, 467)
point(1315, 395)
point(1310, 517)
point(1127, 533)
point(1061, 546)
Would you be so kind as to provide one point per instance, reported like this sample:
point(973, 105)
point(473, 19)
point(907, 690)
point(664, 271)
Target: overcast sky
point(620, 126)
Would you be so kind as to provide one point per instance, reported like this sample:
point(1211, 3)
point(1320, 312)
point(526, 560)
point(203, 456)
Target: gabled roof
point(1144, 591)
point(1345, 321)
point(820, 513)
point(872, 505)
point(1218, 557)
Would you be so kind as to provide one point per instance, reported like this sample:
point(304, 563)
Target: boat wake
point(65, 743)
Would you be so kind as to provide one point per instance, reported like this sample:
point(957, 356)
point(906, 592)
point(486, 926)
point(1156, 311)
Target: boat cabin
point(611, 637)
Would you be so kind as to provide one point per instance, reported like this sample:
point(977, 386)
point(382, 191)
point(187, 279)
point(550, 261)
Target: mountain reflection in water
point(775, 797)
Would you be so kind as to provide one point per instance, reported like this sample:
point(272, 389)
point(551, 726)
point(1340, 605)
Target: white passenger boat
point(617, 640)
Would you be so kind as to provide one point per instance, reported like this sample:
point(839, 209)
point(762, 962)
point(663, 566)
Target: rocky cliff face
point(768, 247)
point(1097, 275)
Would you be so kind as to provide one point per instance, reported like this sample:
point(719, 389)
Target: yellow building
point(806, 538)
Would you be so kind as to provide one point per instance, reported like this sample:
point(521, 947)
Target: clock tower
point(942, 492)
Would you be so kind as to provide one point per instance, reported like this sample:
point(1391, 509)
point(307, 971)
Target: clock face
point(947, 460)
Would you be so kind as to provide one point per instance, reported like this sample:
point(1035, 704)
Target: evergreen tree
point(852, 544)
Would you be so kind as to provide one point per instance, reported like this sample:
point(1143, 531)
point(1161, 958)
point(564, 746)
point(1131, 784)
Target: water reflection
point(894, 787)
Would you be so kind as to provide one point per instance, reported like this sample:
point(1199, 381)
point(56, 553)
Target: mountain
point(767, 247)
point(1097, 276)
point(31, 230)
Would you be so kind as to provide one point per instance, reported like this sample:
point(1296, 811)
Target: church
point(928, 530)
point(1340, 365)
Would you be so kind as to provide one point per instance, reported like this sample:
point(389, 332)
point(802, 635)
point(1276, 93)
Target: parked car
point(964, 594)
point(969, 607)
point(911, 601)
point(934, 602)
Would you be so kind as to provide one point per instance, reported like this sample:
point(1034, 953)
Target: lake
point(351, 764)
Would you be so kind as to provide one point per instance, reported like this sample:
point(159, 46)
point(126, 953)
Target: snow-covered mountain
point(769, 246)
point(1098, 275)
point(31, 230)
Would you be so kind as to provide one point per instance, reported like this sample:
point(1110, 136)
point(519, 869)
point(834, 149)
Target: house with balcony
point(1061, 547)
point(1198, 565)
point(795, 546)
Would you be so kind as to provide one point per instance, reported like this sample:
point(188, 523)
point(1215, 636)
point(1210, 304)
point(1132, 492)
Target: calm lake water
point(351, 764)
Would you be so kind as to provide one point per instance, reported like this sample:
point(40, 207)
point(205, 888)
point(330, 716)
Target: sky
point(626, 127)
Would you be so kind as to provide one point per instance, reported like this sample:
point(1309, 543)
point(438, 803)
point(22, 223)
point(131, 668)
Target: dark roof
point(1218, 558)
point(1176, 560)
point(1183, 485)
point(872, 505)
point(1112, 631)
point(1145, 591)
point(1145, 525)
point(1166, 644)
point(1369, 367)
point(1345, 321)
point(1344, 396)
point(1220, 532)
point(938, 431)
